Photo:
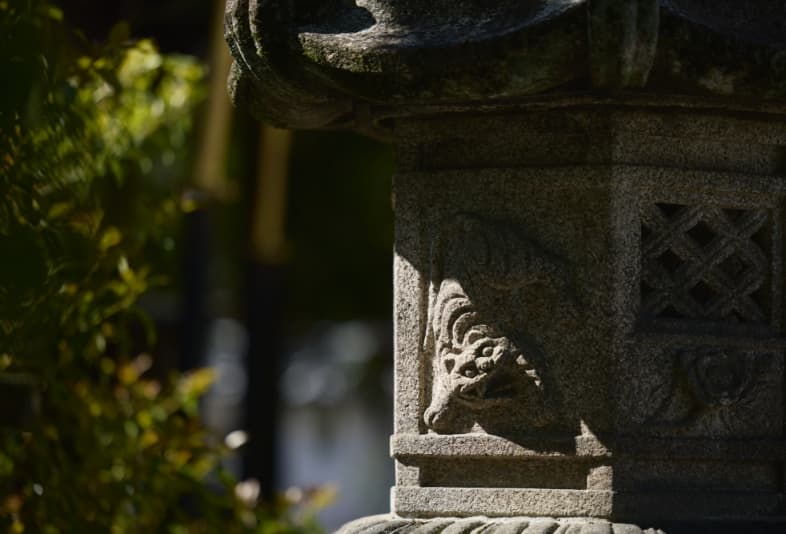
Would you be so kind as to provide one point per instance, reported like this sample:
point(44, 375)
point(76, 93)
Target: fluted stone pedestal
point(588, 254)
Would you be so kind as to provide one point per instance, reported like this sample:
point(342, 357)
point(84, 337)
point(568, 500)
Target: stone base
point(390, 524)
point(384, 524)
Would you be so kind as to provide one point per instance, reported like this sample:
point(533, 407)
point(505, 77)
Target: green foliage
point(92, 142)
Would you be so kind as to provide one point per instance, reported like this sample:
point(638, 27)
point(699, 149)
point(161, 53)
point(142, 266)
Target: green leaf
point(55, 13)
point(110, 238)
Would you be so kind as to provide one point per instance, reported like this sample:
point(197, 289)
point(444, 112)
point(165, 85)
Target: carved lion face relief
point(480, 367)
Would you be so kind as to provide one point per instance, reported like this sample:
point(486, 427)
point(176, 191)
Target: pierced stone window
point(706, 262)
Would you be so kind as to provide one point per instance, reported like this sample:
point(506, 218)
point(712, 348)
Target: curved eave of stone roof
point(695, 57)
point(305, 64)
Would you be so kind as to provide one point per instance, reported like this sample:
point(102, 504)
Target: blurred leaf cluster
point(93, 148)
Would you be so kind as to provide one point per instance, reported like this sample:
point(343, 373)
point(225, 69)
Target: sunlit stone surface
point(588, 265)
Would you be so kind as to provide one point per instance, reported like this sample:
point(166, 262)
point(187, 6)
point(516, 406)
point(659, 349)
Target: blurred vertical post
point(265, 297)
point(262, 292)
point(209, 185)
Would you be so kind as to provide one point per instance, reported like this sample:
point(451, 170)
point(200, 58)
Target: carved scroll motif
point(483, 364)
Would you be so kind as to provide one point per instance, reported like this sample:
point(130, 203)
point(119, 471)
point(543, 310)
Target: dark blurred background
point(285, 286)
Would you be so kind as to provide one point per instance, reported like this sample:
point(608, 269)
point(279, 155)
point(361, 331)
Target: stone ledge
point(501, 502)
point(410, 446)
point(695, 505)
point(483, 445)
point(706, 449)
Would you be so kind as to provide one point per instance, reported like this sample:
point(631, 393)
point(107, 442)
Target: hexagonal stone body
point(589, 244)
point(589, 314)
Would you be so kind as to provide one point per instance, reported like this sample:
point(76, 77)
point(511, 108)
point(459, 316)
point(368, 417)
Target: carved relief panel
point(504, 284)
point(721, 392)
point(693, 389)
point(488, 371)
point(706, 359)
point(706, 262)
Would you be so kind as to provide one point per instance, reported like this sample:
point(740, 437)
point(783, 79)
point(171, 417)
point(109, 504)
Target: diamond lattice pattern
point(705, 262)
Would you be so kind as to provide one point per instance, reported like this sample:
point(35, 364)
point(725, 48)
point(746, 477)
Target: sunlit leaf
point(322, 496)
point(125, 271)
point(144, 419)
point(93, 153)
point(110, 238)
point(148, 439)
point(178, 458)
point(127, 373)
point(197, 382)
point(59, 209)
point(55, 13)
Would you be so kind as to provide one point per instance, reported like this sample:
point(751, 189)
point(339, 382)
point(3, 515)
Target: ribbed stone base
point(383, 524)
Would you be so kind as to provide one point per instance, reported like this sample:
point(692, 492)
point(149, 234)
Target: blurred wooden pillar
point(262, 294)
point(209, 185)
point(265, 302)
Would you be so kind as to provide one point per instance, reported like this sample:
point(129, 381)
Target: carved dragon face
point(485, 371)
point(476, 364)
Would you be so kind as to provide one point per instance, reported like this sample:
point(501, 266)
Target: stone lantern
point(589, 210)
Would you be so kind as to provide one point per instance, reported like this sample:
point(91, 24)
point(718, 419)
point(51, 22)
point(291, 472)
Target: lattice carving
point(705, 262)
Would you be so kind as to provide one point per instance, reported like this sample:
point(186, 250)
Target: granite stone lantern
point(589, 204)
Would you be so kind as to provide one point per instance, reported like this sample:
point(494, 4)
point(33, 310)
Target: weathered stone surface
point(631, 258)
point(385, 523)
point(589, 248)
point(311, 64)
point(481, 373)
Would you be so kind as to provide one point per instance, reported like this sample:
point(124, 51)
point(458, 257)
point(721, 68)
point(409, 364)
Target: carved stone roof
point(328, 63)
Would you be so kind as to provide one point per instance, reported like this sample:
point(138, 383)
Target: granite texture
point(384, 524)
point(589, 318)
point(589, 248)
point(342, 63)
